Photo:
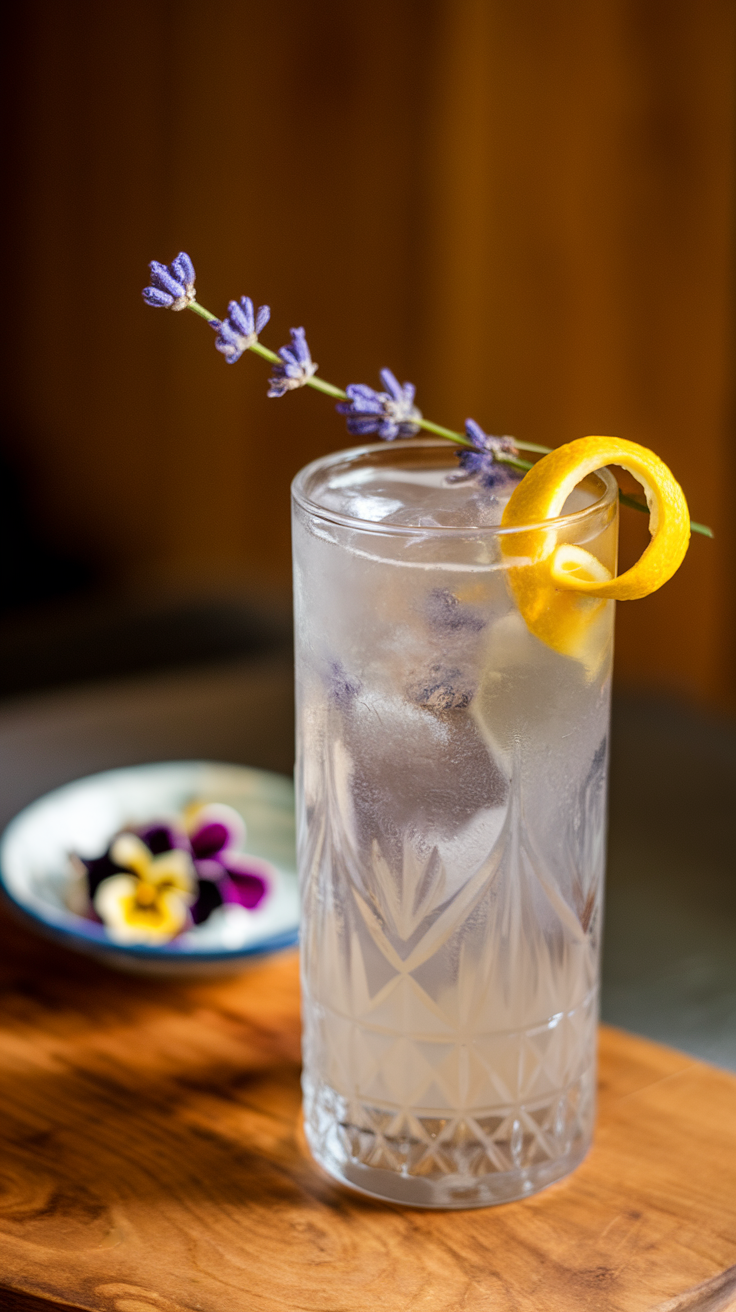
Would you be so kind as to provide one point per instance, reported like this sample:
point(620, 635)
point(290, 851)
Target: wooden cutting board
point(152, 1160)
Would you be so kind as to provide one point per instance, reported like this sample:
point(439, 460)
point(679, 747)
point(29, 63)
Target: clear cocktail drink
point(452, 795)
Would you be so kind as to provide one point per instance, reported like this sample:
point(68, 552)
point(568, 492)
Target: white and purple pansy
point(216, 833)
point(148, 899)
point(164, 878)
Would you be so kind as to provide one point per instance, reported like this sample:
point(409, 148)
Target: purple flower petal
point(388, 430)
point(482, 466)
point(244, 890)
point(262, 317)
point(239, 331)
point(362, 400)
point(174, 281)
point(247, 881)
point(362, 425)
point(208, 839)
point(213, 829)
point(362, 392)
point(209, 868)
point(228, 333)
point(154, 296)
point(391, 384)
point(230, 352)
point(209, 898)
point(99, 868)
point(160, 277)
point(394, 410)
point(299, 342)
point(296, 367)
point(291, 364)
point(162, 837)
point(183, 269)
point(475, 434)
point(242, 315)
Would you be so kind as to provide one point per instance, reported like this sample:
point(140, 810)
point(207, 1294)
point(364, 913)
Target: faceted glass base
point(450, 1161)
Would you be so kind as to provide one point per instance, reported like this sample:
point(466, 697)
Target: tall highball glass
point(451, 780)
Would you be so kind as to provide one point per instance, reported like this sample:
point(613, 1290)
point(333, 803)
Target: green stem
point(515, 462)
point(326, 387)
point(444, 432)
point(634, 504)
point(532, 446)
point(200, 310)
point(330, 390)
point(317, 383)
point(463, 441)
point(264, 352)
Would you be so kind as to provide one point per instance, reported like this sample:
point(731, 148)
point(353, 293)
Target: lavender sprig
point(390, 414)
point(295, 367)
point(172, 285)
point(489, 459)
point(238, 332)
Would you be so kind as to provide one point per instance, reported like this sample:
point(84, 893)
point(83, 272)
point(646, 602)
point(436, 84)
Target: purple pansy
point(215, 833)
point(296, 368)
point(391, 413)
point(172, 285)
point(481, 463)
point(239, 330)
point(209, 843)
point(162, 837)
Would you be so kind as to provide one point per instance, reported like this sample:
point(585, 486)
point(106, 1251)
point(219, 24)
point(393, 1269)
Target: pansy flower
point(162, 878)
point(148, 901)
point(216, 833)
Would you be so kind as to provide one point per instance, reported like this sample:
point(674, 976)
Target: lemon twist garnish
point(562, 588)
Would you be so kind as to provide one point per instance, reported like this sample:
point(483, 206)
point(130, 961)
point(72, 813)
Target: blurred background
point(525, 206)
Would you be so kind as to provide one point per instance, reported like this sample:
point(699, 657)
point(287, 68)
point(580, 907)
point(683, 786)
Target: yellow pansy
point(149, 902)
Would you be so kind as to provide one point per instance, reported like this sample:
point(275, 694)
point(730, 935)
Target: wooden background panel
point(524, 206)
point(278, 146)
point(581, 243)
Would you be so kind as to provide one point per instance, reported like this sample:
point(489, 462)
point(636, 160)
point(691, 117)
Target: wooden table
point(153, 1161)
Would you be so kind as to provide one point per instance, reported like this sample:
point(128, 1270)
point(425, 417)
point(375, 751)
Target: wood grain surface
point(153, 1161)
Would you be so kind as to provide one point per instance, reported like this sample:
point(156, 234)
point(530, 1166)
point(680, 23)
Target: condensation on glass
point(451, 779)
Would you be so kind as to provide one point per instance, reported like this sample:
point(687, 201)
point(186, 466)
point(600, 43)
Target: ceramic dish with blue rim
point(82, 818)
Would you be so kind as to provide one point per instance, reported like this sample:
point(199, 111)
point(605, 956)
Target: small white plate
point(83, 816)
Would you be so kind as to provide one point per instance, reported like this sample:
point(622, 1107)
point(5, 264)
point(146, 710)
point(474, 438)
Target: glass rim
point(312, 507)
